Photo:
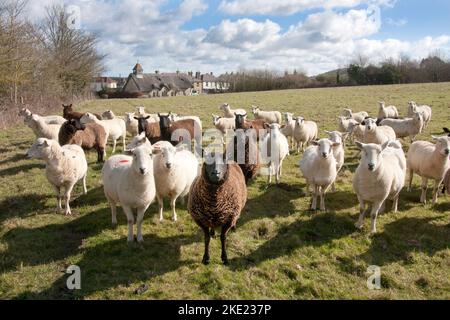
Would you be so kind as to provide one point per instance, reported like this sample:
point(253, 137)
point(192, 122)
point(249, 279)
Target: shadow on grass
point(119, 264)
point(405, 236)
point(319, 230)
point(22, 206)
point(22, 168)
point(51, 242)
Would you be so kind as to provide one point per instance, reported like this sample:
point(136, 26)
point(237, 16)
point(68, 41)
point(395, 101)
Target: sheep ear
point(435, 138)
point(148, 117)
point(446, 130)
point(266, 125)
point(385, 145)
point(156, 150)
point(315, 143)
point(336, 144)
point(363, 123)
point(359, 145)
point(46, 144)
point(327, 132)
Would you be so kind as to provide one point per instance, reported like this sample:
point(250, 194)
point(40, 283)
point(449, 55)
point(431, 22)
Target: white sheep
point(129, 180)
point(65, 166)
point(429, 161)
point(288, 127)
point(132, 125)
point(409, 127)
point(228, 112)
point(42, 129)
point(304, 132)
point(115, 128)
point(26, 114)
point(387, 112)
point(267, 116)
point(175, 170)
point(318, 166)
point(379, 176)
point(426, 111)
point(356, 131)
point(345, 123)
point(275, 148)
point(338, 152)
point(224, 124)
point(377, 134)
point(357, 116)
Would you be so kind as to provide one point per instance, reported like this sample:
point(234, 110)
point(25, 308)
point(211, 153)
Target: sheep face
point(215, 119)
point(240, 120)
point(325, 147)
point(347, 113)
point(336, 136)
point(140, 111)
point(288, 117)
point(215, 169)
point(418, 116)
point(168, 153)
point(129, 116)
point(142, 160)
point(370, 155)
point(299, 122)
point(382, 105)
point(164, 121)
point(142, 122)
point(225, 107)
point(443, 145)
point(255, 110)
point(25, 113)
point(40, 149)
point(371, 124)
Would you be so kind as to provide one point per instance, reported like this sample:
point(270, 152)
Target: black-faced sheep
point(216, 199)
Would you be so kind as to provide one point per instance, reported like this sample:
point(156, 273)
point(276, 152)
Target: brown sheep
point(243, 123)
point(89, 136)
point(216, 199)
point(69, 114)
point(446, 183)
point(151, 129)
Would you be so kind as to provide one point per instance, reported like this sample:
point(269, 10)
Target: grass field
point(280, 250)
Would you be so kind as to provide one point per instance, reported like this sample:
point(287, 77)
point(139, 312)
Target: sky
point(313, 36)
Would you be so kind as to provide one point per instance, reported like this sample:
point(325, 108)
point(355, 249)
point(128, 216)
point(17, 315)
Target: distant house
point(158, 84)
point(171, 84)
point(103, 83)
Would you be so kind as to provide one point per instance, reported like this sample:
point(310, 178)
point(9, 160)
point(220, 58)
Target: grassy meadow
point(280, 250)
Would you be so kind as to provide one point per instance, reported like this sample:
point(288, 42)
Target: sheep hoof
point(212, 233)
point(141, 240)
point(205, 261)
point(225, 262)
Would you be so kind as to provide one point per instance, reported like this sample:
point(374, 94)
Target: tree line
point(360, 71)
point(45, 62)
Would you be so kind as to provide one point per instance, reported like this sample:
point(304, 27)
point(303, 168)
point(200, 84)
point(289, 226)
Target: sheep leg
point(307, 190)
point(139, 219)
point(395, 203)
point(323, 191)
point(411, 176)
point(173, 203)
point(362, 213)
point(161, 207)
point(205, 260)
point(67, 200)
point(374, 214)
point(436, 190)
point(314, 199)
point(123, 141)
point(223, 240)
point(269, 180)
point(114, 146)
point(58, 199)
point(84, 184)
point(278, 173)
point(130, 220)
point(113, 206)
point(423, 196)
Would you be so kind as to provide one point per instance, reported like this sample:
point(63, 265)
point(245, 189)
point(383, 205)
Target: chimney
point(197, 75)
point(156, 71)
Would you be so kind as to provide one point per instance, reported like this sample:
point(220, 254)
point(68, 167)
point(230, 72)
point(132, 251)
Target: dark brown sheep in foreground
point(89, 136)
point(216, 199)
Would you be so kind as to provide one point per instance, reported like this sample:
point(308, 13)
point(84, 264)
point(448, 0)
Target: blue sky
point(226, 35)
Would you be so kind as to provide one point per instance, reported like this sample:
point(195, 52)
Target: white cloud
point(244, 33)
point(143, 30)
point(288, 7)
point(397, 23)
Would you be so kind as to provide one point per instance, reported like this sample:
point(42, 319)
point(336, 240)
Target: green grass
point(280, 250)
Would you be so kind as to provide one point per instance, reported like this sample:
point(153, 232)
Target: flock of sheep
point(158, 162)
